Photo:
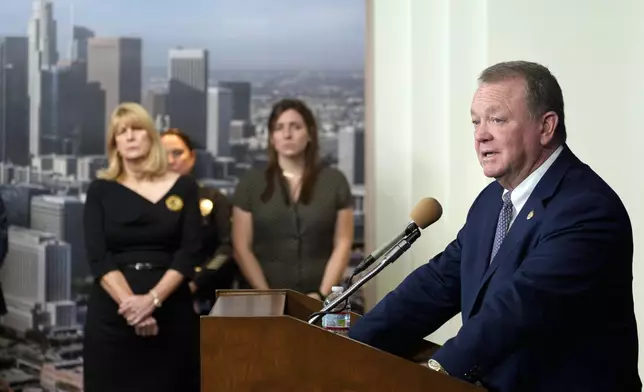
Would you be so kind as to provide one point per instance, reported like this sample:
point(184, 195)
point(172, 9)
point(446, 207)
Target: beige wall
point(423, 60)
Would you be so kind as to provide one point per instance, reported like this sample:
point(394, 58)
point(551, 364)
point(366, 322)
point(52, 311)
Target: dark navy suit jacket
point(552, 312)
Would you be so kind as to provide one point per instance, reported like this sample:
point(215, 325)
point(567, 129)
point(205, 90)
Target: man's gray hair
point(543, 93)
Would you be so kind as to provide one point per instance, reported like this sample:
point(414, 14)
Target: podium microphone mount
point(392, 255)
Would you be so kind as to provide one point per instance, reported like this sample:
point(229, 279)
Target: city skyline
point(54, 111)
point(244, 35)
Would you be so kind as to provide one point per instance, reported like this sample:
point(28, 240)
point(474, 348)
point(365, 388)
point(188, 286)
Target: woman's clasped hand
point(137, 311)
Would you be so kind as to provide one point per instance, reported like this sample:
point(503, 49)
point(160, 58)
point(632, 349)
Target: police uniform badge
point(174, 203)
point(216, 262)
point(206, 206)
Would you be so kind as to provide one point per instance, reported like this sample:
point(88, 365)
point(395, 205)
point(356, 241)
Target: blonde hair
point(133, 115)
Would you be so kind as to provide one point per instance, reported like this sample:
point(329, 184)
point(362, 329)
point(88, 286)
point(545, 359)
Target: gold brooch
point(174, 203)
point(206, 206)
point(530, 214)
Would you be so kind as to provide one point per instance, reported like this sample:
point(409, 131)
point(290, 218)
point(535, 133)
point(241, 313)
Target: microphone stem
point(373, 257)
point(391, 256)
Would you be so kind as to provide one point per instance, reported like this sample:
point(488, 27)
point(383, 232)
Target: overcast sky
point(240, 34)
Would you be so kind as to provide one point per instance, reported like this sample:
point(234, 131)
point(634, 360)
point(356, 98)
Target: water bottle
point(337, 322)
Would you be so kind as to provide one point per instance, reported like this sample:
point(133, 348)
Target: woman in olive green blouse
point(293, 220)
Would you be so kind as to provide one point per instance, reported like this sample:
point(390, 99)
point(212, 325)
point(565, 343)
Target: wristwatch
point(434, 365)
point(155, 298)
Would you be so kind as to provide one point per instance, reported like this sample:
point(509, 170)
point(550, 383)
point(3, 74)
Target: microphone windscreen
point(426, 212)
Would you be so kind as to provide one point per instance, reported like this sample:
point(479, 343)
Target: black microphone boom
point(375, 255)
point(426, 212)
point(392, 255)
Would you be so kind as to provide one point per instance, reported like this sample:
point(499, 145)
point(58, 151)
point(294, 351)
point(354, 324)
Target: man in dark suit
point(542, 268)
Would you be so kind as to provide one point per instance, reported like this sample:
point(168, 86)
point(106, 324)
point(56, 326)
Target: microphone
point(426, 212)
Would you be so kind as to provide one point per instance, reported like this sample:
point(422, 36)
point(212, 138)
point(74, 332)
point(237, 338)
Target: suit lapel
point(481, 255)
point(530, 216)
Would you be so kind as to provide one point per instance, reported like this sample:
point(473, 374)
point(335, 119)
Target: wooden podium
point(256, 340)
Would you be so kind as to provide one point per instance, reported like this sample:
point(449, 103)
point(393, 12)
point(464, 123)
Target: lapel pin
point(530, 214)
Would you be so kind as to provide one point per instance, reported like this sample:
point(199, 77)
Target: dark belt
point(144, 266)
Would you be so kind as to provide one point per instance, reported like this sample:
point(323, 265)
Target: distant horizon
point(211, 69)
point(323, 35)
point(293, 68)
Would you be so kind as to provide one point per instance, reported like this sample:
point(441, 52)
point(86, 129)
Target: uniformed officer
point(219, 270)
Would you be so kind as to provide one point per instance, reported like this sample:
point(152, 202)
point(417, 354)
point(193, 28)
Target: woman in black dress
point(143, 243)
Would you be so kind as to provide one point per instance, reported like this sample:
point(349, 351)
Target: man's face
point(509, 143)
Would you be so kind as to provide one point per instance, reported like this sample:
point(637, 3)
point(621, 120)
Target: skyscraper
point(71, 95)
point(62, 216)
point(114, 77)
point(79, 43)
point(14, 100)
point(43, 56)
point(351, 154)
point(155, 101)
point(36, 271)
point(220, 110)
point(241, 99)
point(188, 92)
point(17, 201)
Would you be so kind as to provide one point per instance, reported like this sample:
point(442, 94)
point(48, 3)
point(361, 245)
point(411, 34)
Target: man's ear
point(549, 122)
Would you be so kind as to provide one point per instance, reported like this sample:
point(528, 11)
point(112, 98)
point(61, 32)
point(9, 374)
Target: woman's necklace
point(290, 175)
point(295, 182)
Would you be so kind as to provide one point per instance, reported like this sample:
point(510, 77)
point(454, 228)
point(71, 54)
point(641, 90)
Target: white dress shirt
point(522, 192)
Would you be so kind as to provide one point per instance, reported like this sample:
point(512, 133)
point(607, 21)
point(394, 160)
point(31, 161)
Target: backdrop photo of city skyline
point(211, 68)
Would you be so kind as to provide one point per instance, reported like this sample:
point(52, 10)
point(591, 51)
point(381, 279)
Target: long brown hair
point(311, 164)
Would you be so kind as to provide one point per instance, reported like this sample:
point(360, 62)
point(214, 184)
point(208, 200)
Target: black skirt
point(116, 359)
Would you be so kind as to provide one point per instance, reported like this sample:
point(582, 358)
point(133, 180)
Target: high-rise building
point(351, 154)
point(156, 102)
point(358, 193)
point(188, 92)
point(220, 110)
point(113, 77)
point(88, 166)
point(70, 95)
point(36, 271)
point(73, 97)
point(17, 201)
point(241, 99)
point(63, 217)
point(241, 129)
point(14, 100)
point(81, 36)
point(43, 56)
point(328, 147)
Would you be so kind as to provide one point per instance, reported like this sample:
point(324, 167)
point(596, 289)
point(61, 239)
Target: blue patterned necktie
point(503, 224)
